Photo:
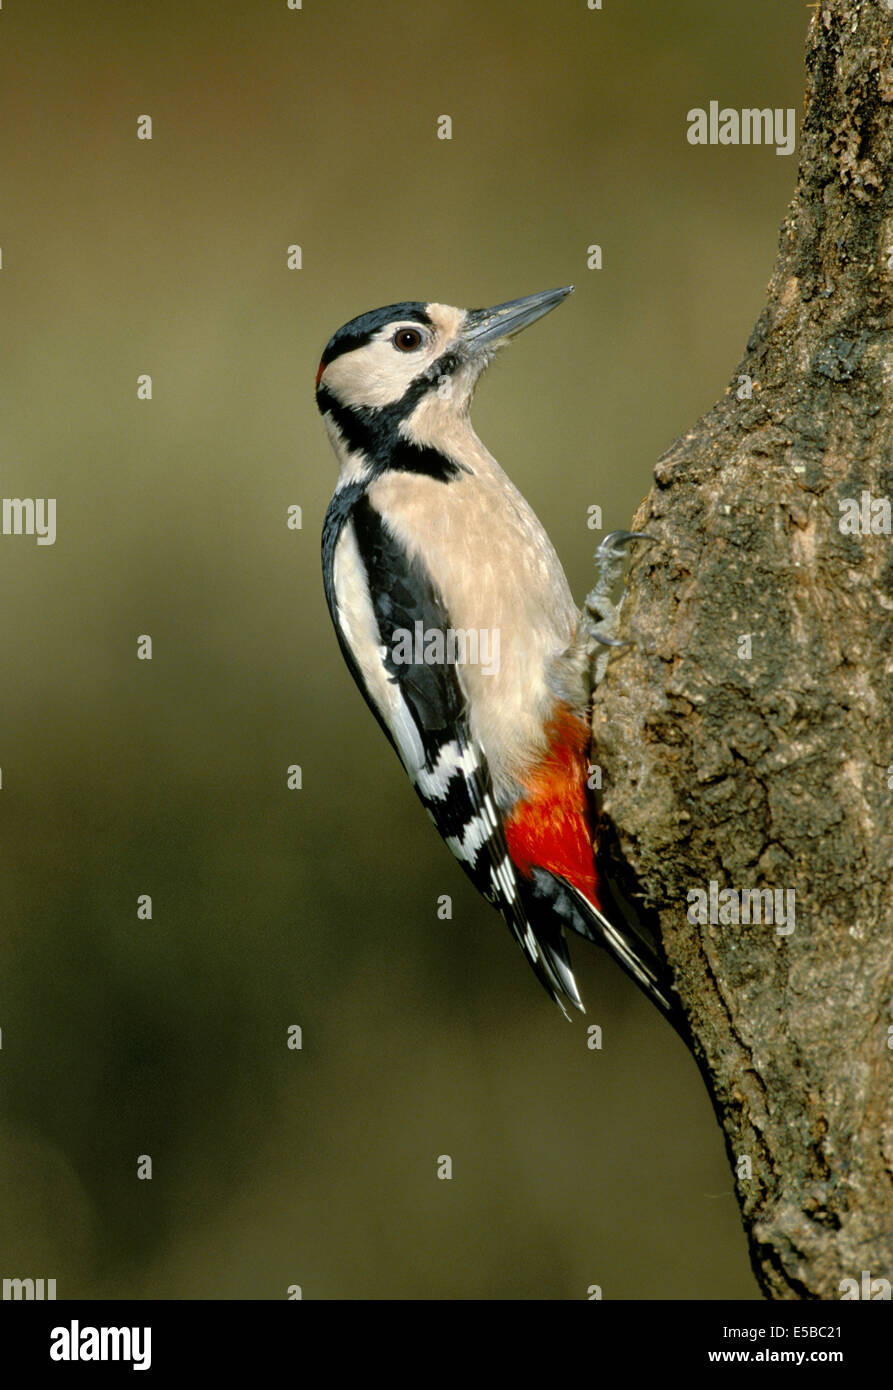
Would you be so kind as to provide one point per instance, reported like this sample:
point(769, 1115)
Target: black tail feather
point(553, 903)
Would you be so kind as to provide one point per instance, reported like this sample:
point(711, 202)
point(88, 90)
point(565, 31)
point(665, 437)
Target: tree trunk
point(746, 731)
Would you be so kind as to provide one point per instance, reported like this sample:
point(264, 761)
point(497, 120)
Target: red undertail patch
point(552, 827)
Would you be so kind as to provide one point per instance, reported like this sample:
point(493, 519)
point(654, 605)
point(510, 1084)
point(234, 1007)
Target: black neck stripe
point(374, 431)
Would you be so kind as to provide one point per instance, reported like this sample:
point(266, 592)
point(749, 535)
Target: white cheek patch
point(377, 374)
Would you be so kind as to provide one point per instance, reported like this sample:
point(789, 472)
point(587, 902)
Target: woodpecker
point(457, 623)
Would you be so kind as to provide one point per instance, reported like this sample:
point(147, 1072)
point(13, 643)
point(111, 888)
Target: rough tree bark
point(775, 771)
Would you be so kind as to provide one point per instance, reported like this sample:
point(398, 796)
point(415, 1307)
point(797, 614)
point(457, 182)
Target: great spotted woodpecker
point(457, 623)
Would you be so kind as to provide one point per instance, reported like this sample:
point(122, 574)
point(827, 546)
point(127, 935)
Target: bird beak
point(487, 326)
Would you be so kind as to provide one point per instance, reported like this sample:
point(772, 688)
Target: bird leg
point(601, 616)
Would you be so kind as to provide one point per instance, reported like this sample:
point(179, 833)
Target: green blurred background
point(120, 777)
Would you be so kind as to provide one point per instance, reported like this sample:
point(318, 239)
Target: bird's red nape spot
point(552, 827)
point(319, 371)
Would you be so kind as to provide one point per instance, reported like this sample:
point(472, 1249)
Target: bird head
point(411, 366)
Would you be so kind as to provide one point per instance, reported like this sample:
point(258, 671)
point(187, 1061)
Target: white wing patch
point(360, 629)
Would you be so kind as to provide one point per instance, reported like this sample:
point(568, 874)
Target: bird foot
point(601, 616)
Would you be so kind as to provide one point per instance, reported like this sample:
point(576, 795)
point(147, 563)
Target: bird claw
point(623, 538)
point(613, 548)
point(609, 558)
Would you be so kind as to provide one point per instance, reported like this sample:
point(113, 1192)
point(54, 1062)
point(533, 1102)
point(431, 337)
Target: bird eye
point(407, 339)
